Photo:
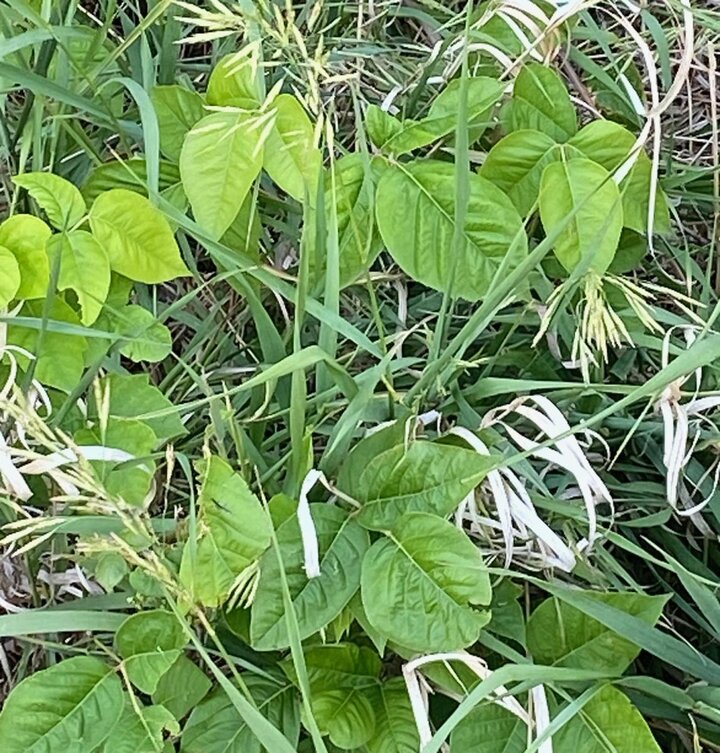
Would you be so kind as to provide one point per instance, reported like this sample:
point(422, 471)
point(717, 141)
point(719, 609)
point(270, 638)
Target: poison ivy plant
point(437, 578)
point(216, 727)
point(235, 531)
point(422, 477)
point(415, 209)
point(593, 234)
point(149, 644)
point(541, 102)
point(73, 706)
point(490, 728)
point(561, 635)
point(317, 601)
point(607, 722)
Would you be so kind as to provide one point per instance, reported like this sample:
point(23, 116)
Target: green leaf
point(541, 102)
point(25, 237)
point(340, 677)
point(140, 733)
point(610, 144)
point(60, 359)
point(236, 531)
point(150, 643)
point(136, 236)
point(423, 477)
point(221, 157)
point(359, 242)
point(130, 174)
point(61, 201)
point(516, 164)
point(9, 277)
point(132, 395)
point(182, 688)
point(130, 480)
point(215, 726)
point(395, 729)
point(233, 82)
point(415, 209)
point(608, 723)
point(380, 125)
point(490, 729)
point(110, 569)
point(508, 617)
point(291, 158)
point(84, 268)
point(178, 109)
point(245, 232)
point(593, 234)
point(146, 338)
point(69, 708)
point(483, 95)
point(420, 583)
point(317, 601)
point(563, 636)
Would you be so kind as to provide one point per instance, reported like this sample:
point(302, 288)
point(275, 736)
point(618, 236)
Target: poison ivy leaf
point(423, 477)
point(132, 396)
point(71, 707)
point(608, 722)
point(181, 688)
point(131, 175)
point(61, 201)
point(516, 164)
point(221, 157)
point(490, 729)
point(379, 441)
point(508, 618)
point(236, 531)
point(415, 209)
point(563, 636)
point(632, 250)
point(541, 102)
point(380, 125)
point(215, 726)
point(233, 82)
point(84, 268)
point(130, 480)
point(136, 236)
point(140, 733)
point(146, 339)
point(110, 569)
point(483, 95)
point(358, 240)
point(395, 729)
point(291, 158)
point(178, 109)
point(59, 359)
point(25, 237)
point(150, 643)
point(9, 277)
point(245, 232)
point(340, 677)
point(610, 144)
point(594, 231)
point(317, 601)
point(420, 583)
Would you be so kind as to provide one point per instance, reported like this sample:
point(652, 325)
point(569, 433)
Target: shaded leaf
point(178, 109)
point(181, 688)
point(395, 730)
point(490, 729)
point(317, 601)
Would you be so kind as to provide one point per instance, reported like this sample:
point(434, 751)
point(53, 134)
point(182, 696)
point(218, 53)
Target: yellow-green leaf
point(61, 200)
point(136, 236)
point(9, 277)
point(25, 237)
point(84, 268)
